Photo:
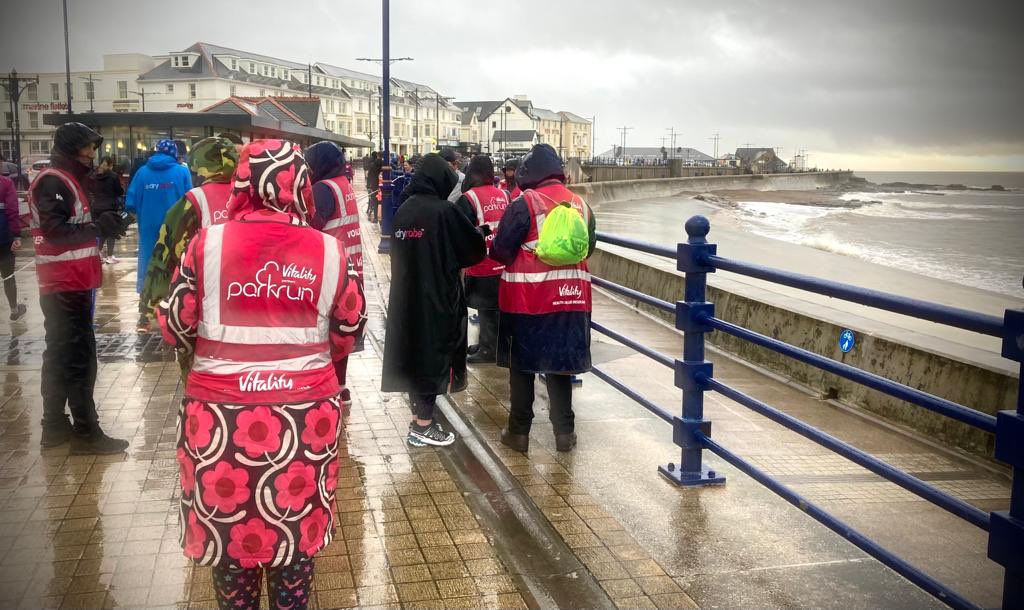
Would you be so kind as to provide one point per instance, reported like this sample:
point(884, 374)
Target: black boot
point(55, 434)
point(482, 357)
point(517, 442)
point(565, 442)
point(96, 443)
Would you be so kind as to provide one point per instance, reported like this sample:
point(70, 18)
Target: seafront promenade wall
point(624, 190)
point(964, 382)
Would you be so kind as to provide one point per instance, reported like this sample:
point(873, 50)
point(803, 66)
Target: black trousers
point(488, 339)
point(7, 271)
point(108, 243)
point(422, 405)
point(69, 360)
point(520, 415)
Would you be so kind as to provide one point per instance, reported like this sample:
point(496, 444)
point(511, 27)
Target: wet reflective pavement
point(478, 525)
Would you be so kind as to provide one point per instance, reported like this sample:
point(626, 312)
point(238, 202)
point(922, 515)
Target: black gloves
point(485, 230)
point(111, 225)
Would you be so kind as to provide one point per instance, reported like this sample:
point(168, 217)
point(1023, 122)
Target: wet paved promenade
point(478, 525)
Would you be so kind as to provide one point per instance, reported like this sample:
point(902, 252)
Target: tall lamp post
point(67, 56)
point(387, 212)
point(438, 98)
point(15, 86)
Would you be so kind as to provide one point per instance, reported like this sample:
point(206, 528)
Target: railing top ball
point(697, 228)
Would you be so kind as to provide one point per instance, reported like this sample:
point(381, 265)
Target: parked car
point(37, 167)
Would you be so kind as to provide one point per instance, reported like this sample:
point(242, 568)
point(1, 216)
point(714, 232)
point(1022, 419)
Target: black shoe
point(459, 384)
point(482, 357)
point(565, 442)
point(517, 442)
point(472, 349)
point(55, 434)
point(96, 443)
point(18, 312)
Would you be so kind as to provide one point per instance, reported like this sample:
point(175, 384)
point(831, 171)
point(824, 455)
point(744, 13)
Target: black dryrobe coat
point(431, 243)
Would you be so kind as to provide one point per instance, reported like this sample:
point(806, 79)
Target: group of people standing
point(255, 277)
point(480, 252)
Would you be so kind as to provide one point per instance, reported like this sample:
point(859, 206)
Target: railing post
point(693, 370)
point(1006, 533)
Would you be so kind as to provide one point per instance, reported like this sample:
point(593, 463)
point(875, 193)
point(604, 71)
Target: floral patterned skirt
point(257, 482)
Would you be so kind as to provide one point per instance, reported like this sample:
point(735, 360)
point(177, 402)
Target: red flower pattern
point(321, 427)
point(188, 472)
point(198, 423)
point(295, 486)
point(224, 487)
point(313, 528)
point(331, 483)
point(257, 431)
point(195, 537)
point(252, 543)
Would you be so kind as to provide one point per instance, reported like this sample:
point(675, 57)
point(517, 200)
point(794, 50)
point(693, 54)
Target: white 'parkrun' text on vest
point(253, 382)
point(275, 282)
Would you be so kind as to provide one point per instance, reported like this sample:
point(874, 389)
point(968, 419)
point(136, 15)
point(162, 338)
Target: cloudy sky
point(872, 85)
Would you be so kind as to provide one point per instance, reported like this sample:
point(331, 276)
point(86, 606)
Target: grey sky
point(897, 84)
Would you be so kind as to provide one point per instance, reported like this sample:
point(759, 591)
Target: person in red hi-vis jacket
point(265, 303)
point(337, 214)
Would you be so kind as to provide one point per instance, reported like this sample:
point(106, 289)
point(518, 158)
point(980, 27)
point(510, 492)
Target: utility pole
point(672, 140)
point(92, 91)
point(67, 57)
point(624, 130)
point(15, 86)
point(715, 137)
point(387, 212)
point(437, 118)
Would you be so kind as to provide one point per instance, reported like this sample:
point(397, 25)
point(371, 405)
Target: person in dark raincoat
point(425, 346)
point(544, 324)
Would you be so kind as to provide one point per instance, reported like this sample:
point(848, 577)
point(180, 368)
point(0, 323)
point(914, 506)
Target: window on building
point(263, 92)
point(286, 74)
point(33, 120)
point(192, 90)
point(9, 120)
point(234, 63)
point(32, 91)
point(54, 91)
point(232, 90)
point(252, 68)
point(122, 89)
point(273, 71)
point(170, 88)
point(174, 60)
point(494, 124)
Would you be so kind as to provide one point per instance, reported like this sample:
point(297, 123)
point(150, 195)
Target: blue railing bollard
point(693, 370)
point(1006, 534)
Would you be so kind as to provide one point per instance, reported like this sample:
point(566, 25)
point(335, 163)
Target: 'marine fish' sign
point(275, 282)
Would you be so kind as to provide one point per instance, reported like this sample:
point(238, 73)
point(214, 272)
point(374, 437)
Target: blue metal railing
point(694, 376)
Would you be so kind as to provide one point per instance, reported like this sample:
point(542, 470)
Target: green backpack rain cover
point(563, 239)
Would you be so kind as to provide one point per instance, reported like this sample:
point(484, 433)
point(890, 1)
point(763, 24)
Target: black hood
point(325, 160)
point(479, 173)
point(72, 137)
point(433, 177)
point(540, 164)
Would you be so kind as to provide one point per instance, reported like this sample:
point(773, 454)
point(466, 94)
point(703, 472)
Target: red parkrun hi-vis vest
point(531, 286)
point(210, 201)
point(263, 334)
point(65, 268)
point(490, 203)
point(344, 223)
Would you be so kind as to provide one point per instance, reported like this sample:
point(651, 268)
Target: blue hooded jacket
point(156, 187)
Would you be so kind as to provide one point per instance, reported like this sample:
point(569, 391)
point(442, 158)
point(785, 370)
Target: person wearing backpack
point(543, 295)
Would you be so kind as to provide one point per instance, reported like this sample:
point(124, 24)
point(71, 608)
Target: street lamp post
point(437, 117)
point(67, 56)
point(387, 213)
point(15, 86)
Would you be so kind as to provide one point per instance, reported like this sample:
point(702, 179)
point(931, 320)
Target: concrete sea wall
point(966, 383)
point(624, 190)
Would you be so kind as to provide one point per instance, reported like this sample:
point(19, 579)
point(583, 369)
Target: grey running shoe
point(433, 434)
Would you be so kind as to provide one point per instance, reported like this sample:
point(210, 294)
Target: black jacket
point(108, 194)
point(426, 327)
point(54, 201)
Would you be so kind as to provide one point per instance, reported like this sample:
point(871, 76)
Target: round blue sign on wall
point(846, 340)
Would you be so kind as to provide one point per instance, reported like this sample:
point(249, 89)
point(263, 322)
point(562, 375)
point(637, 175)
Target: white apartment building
point(511, 126)
point(204, 74)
